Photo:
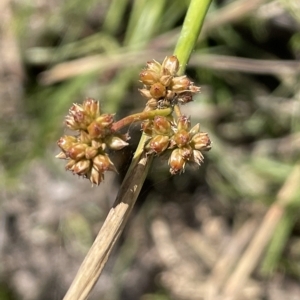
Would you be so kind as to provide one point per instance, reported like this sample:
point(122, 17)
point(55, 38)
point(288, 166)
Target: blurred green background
point(188, 233)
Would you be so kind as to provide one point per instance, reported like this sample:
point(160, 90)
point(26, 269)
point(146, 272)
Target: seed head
point(91, 107)
point(181, 138)
point(162, 84)
point(157, 90)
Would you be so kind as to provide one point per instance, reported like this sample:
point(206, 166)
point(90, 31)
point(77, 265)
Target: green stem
point(145, 115)
point(190, 31)
point(189, 34)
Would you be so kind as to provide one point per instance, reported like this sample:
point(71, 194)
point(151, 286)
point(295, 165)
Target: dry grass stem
point(246, 65)
point(94, 63)
point(104, 62)
point(227, 260)
point(96, 258)
point(231, 13)
point(258, 244)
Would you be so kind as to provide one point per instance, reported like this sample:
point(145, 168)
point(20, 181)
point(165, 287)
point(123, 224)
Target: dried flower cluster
point(162, 87)
point(185, 143)
point(87, 151)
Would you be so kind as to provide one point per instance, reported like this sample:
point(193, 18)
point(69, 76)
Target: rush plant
point(166, 130)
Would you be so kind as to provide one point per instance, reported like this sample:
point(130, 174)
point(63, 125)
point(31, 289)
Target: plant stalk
point(145, 115)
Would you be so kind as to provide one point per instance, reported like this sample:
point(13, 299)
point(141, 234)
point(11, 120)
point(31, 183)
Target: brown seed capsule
point(157, 90)
point(105, 120)
point(82, 167)
point(80, 117)
point(181, 138)
point(95, 130)
point(176, 162)
point(91, 152)
point(102, 163)
point(170, 65)
point(66, 142)
point(183, 123)
point(77, 151)
point(95, 176)
point(148, 77)
point(180, 84)
point(201, 141)
point(161, 125)
point(158, 144)
point(166, 80)
point(70, 165)
point(186, 152)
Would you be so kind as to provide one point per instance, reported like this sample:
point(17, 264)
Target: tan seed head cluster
point(87, 151)
point(184, 142)
point(163, 87)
